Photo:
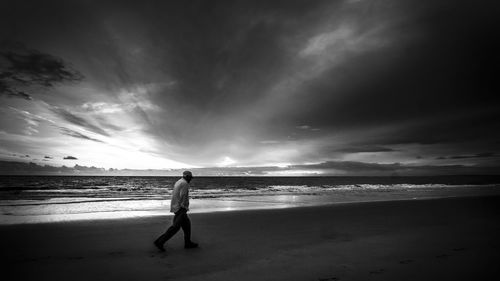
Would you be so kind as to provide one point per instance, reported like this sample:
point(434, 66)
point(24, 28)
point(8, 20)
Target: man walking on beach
point(179, 206)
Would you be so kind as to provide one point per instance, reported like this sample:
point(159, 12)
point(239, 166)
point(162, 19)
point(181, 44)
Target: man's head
point(187, 175)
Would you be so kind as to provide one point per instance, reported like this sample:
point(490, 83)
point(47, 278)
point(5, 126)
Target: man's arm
point(184, 196)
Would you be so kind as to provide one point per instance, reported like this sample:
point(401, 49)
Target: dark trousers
point(181, 220)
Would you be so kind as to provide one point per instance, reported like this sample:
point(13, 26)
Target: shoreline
point(215, 205)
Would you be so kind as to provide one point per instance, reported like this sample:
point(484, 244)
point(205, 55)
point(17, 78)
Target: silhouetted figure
point(179, 206)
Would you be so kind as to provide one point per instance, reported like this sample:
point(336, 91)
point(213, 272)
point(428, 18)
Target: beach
point(426, 239)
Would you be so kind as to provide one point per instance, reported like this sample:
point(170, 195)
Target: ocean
point(32, 199)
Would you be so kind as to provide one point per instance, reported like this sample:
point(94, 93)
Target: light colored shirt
point(180, 196)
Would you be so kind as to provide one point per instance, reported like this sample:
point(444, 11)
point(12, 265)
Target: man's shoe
point(190, 245)
point(159, 246)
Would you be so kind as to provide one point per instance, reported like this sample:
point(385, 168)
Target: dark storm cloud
point(17, 94)
point(78, 135)
point(77, 120)
point(438, 65)
point(22, 68)
point(226, 75)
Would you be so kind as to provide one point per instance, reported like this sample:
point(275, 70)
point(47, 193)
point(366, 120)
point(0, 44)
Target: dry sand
point(438, 239)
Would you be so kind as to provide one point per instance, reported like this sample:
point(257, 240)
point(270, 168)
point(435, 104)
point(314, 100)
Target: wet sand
point(437, 239)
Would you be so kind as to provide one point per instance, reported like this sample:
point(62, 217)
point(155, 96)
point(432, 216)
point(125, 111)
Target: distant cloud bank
point(330, 168)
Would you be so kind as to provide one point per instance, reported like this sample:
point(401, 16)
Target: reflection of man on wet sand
point(179, 206)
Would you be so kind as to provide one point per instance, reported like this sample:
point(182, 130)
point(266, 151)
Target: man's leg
point(171, 231)
point(186, 228)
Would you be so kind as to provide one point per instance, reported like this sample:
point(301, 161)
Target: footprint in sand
point(160, 255)
point(75, 258)
point(405, 261)
point(442, 256)
point(378, 271)
point(328, 279)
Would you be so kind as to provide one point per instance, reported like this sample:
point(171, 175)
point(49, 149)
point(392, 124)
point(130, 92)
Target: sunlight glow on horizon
point(295, 173)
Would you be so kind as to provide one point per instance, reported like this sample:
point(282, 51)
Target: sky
point(320, 87)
